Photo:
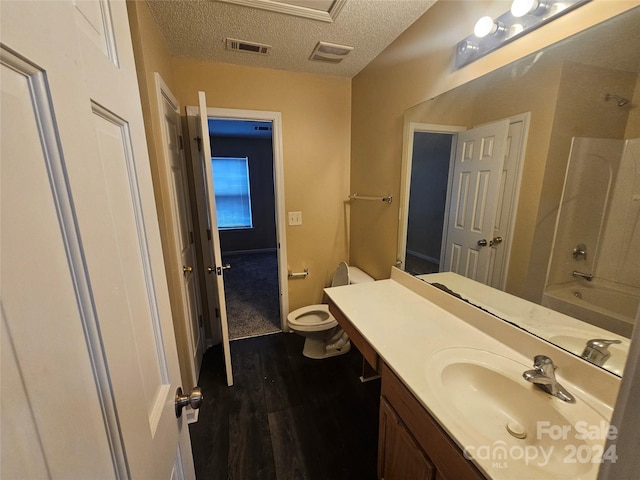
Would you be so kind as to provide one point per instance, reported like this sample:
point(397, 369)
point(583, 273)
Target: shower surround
point(600, 208)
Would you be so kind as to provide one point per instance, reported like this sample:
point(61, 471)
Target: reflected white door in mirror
point(468, 182)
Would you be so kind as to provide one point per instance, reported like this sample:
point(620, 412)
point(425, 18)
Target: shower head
point(620, 100)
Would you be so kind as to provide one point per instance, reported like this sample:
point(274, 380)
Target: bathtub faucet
point(587, 276)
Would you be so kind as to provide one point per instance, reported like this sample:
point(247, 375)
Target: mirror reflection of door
point(432, 200)
point(475, 187)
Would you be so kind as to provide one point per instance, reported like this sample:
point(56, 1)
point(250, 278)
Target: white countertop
point(406, 330)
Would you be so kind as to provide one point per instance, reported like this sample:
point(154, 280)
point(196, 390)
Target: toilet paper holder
point(304, 274)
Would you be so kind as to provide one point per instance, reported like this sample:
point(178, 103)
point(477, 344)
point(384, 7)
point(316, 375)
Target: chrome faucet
point(580, 251)
point(587, 276)
point(597, 350)
point(543, 376)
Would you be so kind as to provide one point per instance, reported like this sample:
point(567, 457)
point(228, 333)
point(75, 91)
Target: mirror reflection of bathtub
point(602, 305)
point(594, 270)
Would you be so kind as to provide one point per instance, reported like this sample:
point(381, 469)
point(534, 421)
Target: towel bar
point(355, 196)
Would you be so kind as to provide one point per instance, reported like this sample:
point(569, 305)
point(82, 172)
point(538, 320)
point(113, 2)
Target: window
point(232, 192)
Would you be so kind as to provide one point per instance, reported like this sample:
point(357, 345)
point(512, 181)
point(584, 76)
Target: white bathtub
point(595, 303)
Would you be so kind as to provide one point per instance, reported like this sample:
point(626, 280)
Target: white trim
point(410, 128)
point(164, 94)
point(525, 118)
point(295, 10)
point(278, 167)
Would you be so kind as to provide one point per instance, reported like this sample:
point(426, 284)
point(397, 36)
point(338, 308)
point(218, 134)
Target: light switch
point(295, 218)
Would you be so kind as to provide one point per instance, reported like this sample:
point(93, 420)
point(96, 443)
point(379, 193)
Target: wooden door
point(89, 363)
point(474, 198)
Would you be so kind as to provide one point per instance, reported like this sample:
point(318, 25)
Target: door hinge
point(190, 237)
point(180, 142)
point(200, 320)
point(208, 234)
point(199, 141)
point(217, 312)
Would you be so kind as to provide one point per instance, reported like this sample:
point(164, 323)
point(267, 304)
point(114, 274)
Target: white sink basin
point(483, 401)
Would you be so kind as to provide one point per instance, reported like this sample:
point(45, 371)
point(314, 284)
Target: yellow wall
point(316, 121)
point(151, 56)
point(416, 67)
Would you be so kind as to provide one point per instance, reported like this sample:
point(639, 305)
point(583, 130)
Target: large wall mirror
point(527, 180)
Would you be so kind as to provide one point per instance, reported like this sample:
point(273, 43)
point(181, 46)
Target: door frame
point(410, 129)
point(194, 358)
point(278, 174)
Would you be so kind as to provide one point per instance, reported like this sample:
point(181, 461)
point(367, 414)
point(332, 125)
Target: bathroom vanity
point(411, 443)
point(453, 399)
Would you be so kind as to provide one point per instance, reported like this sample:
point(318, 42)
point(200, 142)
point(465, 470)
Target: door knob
point(218, 270)
point(187, 269)
point(482, 243)
point(194, 399)
point(495, 241)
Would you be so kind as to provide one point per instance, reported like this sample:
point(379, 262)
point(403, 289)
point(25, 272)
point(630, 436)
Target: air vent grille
point(330, 52)
point(249, 47)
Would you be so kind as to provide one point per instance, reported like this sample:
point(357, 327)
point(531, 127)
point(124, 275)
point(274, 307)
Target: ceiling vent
point(330, 52)
point(250, 47)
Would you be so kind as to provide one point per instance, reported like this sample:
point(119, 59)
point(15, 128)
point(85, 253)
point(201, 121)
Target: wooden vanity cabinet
point(426, 450)
point(399, 456)
point(411, 444)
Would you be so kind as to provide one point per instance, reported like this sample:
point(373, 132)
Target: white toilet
point(324, 337)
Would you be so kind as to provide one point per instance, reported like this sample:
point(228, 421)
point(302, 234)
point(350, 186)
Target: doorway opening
point(243, 171)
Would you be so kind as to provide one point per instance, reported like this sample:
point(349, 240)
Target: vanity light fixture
point(524, 16)
point(520, 8)
point(487, 26)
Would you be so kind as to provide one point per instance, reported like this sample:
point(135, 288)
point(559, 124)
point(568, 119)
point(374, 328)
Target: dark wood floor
point(286, 417)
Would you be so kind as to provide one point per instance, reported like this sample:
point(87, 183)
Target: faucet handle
point(597, 350)
point(601, 343)
point(544, 364)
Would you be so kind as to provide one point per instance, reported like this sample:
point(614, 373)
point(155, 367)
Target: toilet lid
point(341, 275)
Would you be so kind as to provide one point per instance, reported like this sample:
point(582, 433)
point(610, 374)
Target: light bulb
point(520, 8)
point(484, 27)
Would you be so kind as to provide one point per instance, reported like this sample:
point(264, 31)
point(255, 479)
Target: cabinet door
point(399, 457)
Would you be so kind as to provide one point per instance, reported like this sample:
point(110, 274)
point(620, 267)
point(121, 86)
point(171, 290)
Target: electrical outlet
point(295, 218)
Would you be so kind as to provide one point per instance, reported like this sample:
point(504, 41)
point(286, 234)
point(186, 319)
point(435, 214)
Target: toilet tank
point(345, 275)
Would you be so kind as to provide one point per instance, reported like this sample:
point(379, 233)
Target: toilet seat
point(312, 318)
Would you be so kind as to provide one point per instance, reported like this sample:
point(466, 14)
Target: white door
point(183, 230)
point(217, 268)
point(89, 363)
point(469, 242)
point(507, 202)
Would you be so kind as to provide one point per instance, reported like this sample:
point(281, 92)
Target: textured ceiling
point(197, 29)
